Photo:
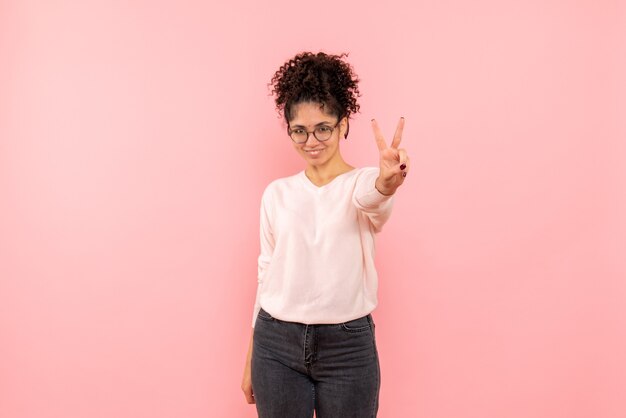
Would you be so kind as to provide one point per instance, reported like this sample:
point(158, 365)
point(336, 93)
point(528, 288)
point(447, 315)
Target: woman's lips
point(314, 152)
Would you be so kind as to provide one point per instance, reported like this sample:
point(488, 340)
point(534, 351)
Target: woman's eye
point(297, 131)
point(323, 129)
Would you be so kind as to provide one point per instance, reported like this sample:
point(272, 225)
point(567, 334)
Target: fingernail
point(402, 166)
point(404, 174)
point(372, 120)
point(402, 117)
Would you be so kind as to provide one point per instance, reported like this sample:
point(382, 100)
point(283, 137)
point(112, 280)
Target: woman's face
point(308, 116)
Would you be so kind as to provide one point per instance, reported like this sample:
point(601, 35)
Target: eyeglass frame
point(290, 132)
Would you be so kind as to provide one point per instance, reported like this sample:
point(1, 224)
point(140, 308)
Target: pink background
point(136, 139)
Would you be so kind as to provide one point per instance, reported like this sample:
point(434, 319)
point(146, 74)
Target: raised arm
point(375, 187)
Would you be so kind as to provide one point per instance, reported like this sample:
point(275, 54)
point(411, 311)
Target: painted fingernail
point(404, 174)
point(402, 166)
point(372, 120)
point(402, 117)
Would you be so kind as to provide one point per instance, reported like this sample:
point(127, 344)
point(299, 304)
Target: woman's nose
point(309, 136)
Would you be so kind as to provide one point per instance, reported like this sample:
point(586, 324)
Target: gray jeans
point(330, 368)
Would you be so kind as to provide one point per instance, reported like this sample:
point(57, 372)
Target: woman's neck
point(321, 175)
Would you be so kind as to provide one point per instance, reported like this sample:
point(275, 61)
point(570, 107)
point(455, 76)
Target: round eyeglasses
point(321, 133)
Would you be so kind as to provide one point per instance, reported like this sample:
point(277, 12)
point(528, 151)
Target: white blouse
point(316, 264)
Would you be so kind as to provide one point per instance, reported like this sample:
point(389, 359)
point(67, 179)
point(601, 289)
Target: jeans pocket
point(263, 314)
point(356, 325)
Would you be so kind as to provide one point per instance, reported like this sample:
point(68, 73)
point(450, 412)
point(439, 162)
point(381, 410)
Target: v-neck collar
point(313, 186)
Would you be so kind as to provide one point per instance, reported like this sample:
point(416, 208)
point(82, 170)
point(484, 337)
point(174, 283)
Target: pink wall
point(136, 139)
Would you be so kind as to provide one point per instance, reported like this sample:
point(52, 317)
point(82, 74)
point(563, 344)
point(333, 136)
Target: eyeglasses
point(321, 133)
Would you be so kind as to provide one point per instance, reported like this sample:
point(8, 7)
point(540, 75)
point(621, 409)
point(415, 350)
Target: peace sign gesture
point(394, 162)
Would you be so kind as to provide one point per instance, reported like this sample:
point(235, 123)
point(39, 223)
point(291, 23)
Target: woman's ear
point(345, 127)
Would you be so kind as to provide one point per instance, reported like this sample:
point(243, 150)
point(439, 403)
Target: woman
point(313, 345)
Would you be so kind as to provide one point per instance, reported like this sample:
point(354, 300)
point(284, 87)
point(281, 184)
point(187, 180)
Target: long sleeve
point(375, 205)
point(267, 248)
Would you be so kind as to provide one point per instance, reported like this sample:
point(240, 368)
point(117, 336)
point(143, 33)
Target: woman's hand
point(246, 381)
point(394, 162)
point(246, 384)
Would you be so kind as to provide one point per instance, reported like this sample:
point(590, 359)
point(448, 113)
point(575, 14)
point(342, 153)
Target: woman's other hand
point(246, 382)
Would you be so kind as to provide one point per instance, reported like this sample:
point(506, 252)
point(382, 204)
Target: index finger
point(398, 135)
point(378, 135)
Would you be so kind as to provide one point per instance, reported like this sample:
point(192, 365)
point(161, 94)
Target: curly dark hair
point(320, 78)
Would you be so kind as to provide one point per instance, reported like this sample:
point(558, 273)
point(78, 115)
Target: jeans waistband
point(267, 314)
